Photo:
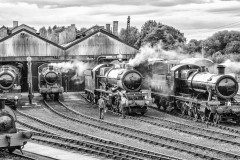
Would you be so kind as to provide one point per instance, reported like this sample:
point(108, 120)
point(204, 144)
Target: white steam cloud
point(78, 66)
point(231, 66)
point(148, 53)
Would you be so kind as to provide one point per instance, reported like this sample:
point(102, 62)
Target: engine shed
point(19, 42)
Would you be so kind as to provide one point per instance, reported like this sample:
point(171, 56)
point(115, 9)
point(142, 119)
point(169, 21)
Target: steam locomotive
point(192, 90)
point(112, 81)
point(10, 88)
point(50, 81)
point(10, 137)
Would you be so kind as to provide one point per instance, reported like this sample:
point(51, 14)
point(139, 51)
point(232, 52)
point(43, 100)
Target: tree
point(82, 29)
point(131, 36)
point(54, 27)
point(43, 32)
point(193, 46)
point(170, 37)
point(233, 47)
point(145, 30)
point(49, 31)
point(225, 42)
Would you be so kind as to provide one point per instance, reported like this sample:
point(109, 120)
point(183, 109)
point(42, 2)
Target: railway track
point(131, 152)
point(219, 126)
point(157, 136)
point(32, 156)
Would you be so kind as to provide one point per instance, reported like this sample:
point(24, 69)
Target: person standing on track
point(102, 107)
point(123, 104)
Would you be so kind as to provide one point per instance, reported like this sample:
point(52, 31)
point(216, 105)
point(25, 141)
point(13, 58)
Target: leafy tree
point(170, 37)
point(82, 29)
point(54, 27)
point(233, 47)
point(145, 30)
point(49, 31)
point(226, 42)
point(131, 36)
point(193, 46)
point(43, 32)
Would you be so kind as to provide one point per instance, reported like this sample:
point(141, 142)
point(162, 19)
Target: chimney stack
point(221, 69)
point(15, 24)
point(108, 27)
point(115, 28)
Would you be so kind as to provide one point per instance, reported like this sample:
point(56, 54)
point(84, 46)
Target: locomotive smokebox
point(221, 69)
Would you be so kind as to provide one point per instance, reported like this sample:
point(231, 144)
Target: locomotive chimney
point(221, 69)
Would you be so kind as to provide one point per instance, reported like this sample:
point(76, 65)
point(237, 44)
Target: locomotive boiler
point(192, 90)
point(10, 87)
point(10, 137)
point(114, 80)
point(50, 81)
point(220, 85)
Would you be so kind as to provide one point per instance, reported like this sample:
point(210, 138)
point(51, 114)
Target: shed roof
point(34, 34)
point(68, 45)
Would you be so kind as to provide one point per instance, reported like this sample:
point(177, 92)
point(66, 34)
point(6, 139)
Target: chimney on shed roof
point(108, 27)
point(115, 28)
point(15, 24)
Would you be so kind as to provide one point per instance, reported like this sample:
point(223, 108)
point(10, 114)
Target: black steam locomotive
point(192, 90)
point(10, 88)
point(10, 137)
point(111, 79)
point(50, 81)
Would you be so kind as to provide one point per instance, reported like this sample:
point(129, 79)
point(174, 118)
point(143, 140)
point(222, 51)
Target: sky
point(197, 19)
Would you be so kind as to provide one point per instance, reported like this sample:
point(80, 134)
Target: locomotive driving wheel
point(216, 118)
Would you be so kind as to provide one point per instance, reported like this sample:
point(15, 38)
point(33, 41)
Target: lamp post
point(30, 92)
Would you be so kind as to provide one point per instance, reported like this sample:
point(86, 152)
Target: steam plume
point(233, 67)
point(78, 66)
point(148, 53)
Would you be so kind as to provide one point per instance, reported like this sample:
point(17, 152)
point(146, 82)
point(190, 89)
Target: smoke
point(148, 53)
point(78, 66)
point(231, 66)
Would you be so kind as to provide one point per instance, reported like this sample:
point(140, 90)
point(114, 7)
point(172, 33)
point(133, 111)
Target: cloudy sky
point(195, 18)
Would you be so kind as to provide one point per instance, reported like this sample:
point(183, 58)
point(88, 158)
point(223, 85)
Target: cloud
point(192, 17)
point(75, 3)
point(227, 9)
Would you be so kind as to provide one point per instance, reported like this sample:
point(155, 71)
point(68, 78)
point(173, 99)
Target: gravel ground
point(43, 113)
point(77, 103)
point(92, 111)
point(50, 117)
